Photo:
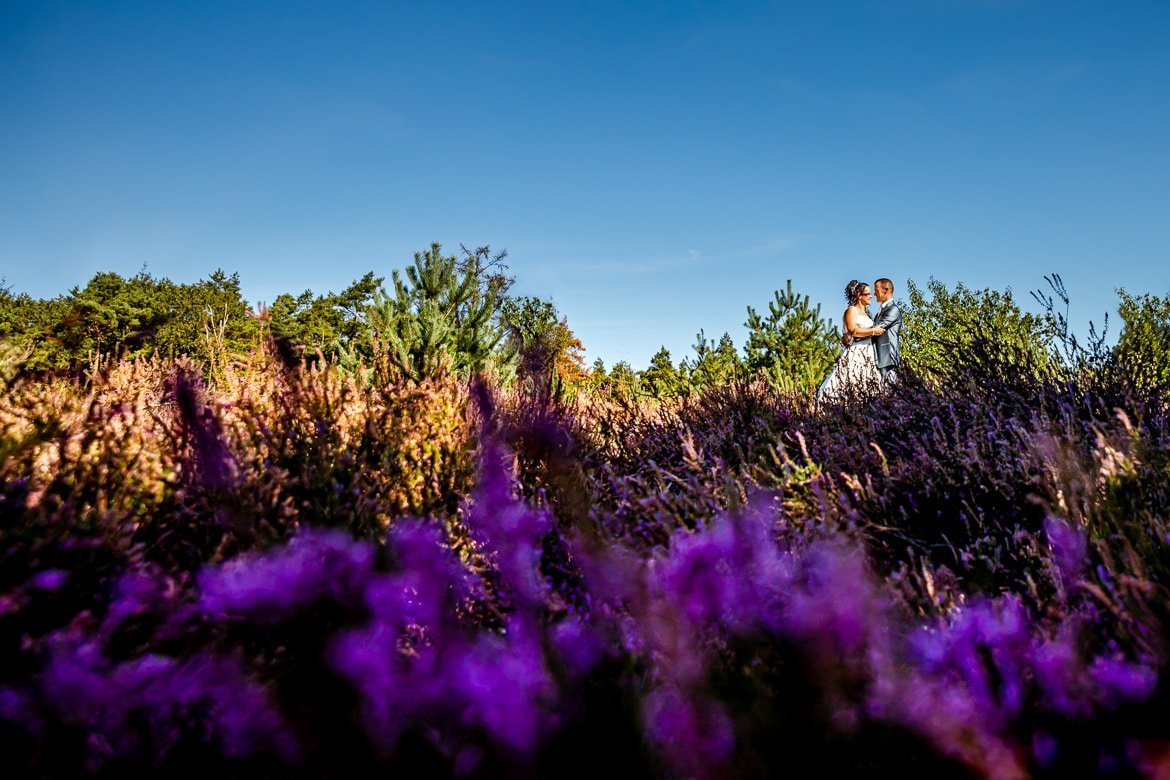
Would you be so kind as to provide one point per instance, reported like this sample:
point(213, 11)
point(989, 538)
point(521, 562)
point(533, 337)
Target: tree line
point(456, 312)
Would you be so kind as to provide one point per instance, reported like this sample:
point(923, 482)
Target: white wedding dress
point(855, 375)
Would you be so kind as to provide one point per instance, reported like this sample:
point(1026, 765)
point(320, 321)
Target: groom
point(886, 346)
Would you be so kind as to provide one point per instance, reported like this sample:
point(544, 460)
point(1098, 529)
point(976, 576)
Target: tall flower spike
point(505, 524)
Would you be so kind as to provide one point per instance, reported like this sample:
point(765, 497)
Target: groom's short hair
point(885, 283)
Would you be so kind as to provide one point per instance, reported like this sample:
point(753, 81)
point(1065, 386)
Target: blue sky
point(653, 167)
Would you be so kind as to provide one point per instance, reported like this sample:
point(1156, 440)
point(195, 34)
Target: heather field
point(260, 563)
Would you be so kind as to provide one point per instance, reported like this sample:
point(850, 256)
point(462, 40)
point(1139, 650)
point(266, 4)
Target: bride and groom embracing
point(870, 361)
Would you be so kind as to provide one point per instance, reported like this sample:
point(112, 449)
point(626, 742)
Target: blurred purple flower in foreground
point(266, 588)
point(696, 735)
point(510, 528)
point(500, 683)
point(142, 708)
point(1068, 549)
point(49, 579)
point(731, 572)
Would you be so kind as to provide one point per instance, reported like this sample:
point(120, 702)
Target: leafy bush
point(1143, 348)
point(952, 333)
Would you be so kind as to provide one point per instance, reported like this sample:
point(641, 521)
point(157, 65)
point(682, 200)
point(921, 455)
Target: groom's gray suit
point(886, 345)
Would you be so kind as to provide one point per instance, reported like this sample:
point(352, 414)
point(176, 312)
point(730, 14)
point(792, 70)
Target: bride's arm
point(854, 329)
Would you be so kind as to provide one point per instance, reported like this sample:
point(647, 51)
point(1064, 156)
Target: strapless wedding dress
point(855, 374)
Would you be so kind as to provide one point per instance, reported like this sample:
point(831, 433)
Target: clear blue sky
point(653, 167)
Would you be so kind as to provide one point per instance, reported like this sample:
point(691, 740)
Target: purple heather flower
point(504, 685)
point(366, 657)
point(730, 572)
point(1118, 681)
point(49, 579)
point(146, 703)
point(1060, 675)
point(401, 679)
point(630, 636)
point(986, 633)
point(838, 600)
point(1068, 548)
point(513, 529)
point(495, 683)
point(214, 459)
point(612, 574)
point(137, 592)
point(269, 587)
point(578, 645)
point(427, 583)
point(696, 736)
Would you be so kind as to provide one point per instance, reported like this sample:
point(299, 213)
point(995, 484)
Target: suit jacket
point(886, 346)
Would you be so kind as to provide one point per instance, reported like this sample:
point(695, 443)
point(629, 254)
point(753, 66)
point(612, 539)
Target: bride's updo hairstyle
point(853, 291)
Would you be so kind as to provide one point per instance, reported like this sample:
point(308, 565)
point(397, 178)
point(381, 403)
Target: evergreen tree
point(715, 363)
point(324, 322)
point(661, 379)
point(793, 345)
point(622, 379)
point(18, 318)
point(110, 316)
point(597, 378)
point(115, 317)
point(441, 315)
point(207, 320)
point(9, 316)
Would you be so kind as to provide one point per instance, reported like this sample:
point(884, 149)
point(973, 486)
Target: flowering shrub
point(299, 568)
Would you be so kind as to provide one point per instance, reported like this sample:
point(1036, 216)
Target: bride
point(855, 374)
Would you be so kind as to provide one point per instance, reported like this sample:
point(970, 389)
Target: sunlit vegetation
point(412, 530)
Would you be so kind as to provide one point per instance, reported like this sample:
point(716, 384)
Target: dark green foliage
point(662, 379)
point(113, 317)
point(530, 325)
point(622, 380)
point(1143, 348)
point(441, 316)
point(715, 364)
point(208, 318)
point(539, 347)
point(323, 323)
point(11, 314)
point(941, 332)
point(793, 345)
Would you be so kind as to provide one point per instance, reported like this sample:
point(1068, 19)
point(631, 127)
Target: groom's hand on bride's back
point(846, 339)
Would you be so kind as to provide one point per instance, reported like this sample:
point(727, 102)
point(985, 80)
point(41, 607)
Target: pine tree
point(715, 363)
point(323, 322)
point(541, 346)
point(622, 379)
point(441, 316)
point(793, 345)
point(661, 379)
